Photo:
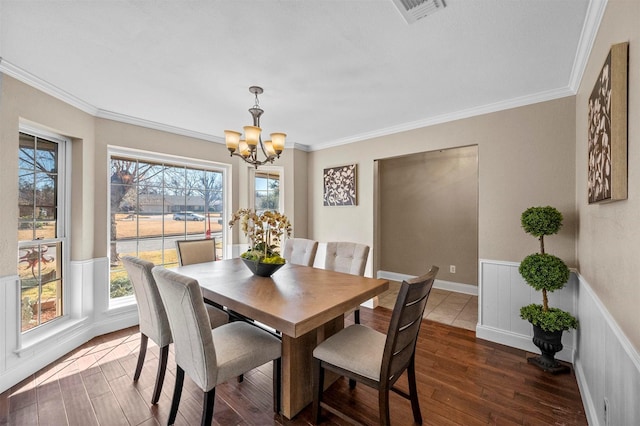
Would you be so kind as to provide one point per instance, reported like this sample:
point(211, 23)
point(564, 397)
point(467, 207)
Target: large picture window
point(155, 202)
point(40, 229)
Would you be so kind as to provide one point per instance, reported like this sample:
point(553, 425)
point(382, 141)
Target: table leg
point(297, 357)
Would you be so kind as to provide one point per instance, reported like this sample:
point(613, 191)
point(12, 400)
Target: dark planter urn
point(262, 269)
point(549, 343)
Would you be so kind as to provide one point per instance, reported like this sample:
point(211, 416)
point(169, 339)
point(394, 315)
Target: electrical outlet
point(452, 269)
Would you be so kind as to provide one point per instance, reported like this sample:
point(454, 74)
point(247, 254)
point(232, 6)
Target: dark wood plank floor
point(462, 381)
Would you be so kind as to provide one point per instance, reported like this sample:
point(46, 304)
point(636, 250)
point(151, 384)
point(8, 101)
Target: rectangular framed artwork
point(607, 132)
point(340, 185)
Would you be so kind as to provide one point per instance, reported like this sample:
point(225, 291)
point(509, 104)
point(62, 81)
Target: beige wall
point(90, 137)
point(18, 102)
point(428, 212)
point(526, 157)
point(609, 234)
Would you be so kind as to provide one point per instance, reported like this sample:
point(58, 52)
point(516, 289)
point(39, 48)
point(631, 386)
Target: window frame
point(63, 221)
point(252, 185)
point(158, 157)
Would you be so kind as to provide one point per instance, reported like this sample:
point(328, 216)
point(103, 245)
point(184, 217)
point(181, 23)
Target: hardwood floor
point(461, 381)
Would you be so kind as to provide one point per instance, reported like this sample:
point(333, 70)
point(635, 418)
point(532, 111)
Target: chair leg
point(352, 384)
point(318, 384)
point(207, 408)
point(162, 368)
point(177, 392)
point(240, 378)
point(383, 402)
point(141, 354)
point(277, 385)
point(413, 392)
point(356, 316)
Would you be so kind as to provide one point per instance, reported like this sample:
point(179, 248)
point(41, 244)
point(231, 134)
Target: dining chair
point(153, 320)
point(377, 360)
point(350, 258)
point(211, 357)
point(196, 251)
point(300, 251)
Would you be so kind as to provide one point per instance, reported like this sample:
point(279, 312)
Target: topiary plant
point(544, 272)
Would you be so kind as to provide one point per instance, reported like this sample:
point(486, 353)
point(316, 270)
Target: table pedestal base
point(297, 359)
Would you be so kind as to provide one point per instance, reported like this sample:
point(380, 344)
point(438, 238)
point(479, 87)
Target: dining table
point(303, 305)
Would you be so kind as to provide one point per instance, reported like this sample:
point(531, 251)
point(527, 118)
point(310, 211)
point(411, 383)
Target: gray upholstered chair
point(300, 251)
point(153, 320)
point(350, 258)
point(196, 251)
point(211, 357)
point(377, 360)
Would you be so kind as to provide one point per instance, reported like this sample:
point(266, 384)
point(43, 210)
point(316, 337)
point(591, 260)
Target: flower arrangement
point(264, 231)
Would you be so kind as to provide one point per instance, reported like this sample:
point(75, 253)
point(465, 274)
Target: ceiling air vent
point(413, 10)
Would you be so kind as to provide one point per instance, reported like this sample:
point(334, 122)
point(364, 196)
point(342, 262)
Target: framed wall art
point(340, 185)
point(607, 132)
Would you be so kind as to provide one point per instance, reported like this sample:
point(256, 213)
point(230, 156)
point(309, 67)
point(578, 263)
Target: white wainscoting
point(502, 292)
point(607, 366)
point(88, 316)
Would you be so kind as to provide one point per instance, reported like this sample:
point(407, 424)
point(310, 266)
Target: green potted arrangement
point(265, 232)
point(547, 273)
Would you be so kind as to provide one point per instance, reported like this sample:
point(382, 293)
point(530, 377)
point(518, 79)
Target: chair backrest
point(196, 251)
point(346, 257)
point(300, 251)
point(189, 321)
point(404, 325)
point(153, 318)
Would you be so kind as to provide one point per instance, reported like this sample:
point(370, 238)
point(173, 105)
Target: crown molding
point(123, 118)
point(595, 12)
point(458, 115)
point(26, 77)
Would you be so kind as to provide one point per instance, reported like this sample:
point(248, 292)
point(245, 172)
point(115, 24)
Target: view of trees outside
point(39, 252)
point(267, 191)
point(155, 204)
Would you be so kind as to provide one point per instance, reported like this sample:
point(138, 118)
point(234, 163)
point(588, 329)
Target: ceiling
point(333, 72)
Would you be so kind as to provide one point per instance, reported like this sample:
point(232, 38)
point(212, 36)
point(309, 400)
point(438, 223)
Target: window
point(154, 202)
point(267, 190)
point(41, 243)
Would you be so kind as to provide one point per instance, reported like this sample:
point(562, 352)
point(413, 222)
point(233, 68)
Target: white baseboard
point(439, 284)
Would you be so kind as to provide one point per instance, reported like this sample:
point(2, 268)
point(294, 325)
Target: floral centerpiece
point(265, 232)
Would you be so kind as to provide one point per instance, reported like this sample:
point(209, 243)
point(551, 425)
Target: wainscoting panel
point(607, 365)
point(502, 292)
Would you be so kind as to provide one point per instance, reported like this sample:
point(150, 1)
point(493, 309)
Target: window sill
point(64, 326)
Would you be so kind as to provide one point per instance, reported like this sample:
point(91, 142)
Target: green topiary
point(544, 272)
point(553, 319)
point(540, 221)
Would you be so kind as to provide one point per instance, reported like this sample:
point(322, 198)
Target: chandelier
point(247, 148)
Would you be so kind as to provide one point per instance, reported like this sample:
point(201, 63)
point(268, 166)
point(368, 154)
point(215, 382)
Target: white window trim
point(31, 337)
point(142, 155)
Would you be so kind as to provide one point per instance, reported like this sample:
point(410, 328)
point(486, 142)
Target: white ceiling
point(333, 71)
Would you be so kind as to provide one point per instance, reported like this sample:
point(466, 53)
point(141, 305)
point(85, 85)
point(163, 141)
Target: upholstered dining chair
point(377, 360)
point(300, 251)
point(153, 320)
point(347, 257)
point(211, 357)
point(196, 251)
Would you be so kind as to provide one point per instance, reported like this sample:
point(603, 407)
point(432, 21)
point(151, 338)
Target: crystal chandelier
point(247, 148)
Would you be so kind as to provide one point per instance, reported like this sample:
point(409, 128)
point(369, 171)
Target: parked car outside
point(188, 216)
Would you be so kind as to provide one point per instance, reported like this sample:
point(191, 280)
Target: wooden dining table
point(304, 304)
